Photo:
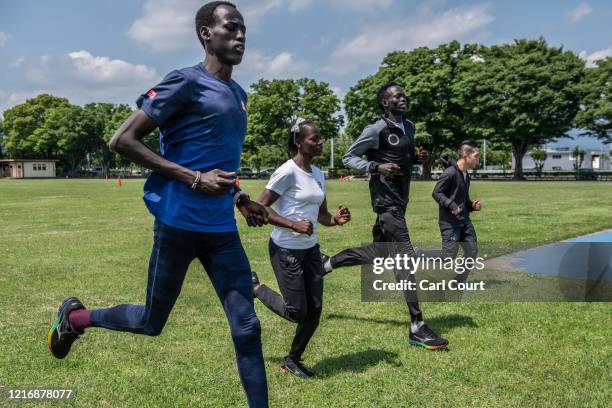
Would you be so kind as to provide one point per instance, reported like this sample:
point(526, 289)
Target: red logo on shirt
point(151, 94)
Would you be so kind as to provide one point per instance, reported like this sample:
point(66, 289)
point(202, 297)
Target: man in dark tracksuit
point(452, 193)
point(389, 148)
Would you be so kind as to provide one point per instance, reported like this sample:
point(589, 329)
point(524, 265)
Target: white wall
point(39, 169)
point(565, 162)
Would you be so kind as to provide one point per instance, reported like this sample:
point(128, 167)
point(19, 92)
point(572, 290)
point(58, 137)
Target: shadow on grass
point(356, 362)
point(439, 323)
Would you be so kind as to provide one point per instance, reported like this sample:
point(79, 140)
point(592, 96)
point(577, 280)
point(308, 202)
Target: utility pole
point(331, 159)
point(484, 164)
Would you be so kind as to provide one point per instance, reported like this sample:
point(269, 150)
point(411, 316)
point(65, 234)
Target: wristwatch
point(239, 195)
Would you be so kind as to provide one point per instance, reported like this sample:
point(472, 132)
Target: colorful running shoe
point(62, 335)
point(427, 338)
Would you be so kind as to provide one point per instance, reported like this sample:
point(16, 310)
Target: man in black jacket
point(452, 193)
point(389, 148)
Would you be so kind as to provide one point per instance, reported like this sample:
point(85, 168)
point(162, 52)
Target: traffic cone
point(119, 181)
point(340, 179)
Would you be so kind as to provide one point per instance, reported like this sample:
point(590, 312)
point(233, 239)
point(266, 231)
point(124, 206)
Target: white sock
point(327, 265)
point(415, 326)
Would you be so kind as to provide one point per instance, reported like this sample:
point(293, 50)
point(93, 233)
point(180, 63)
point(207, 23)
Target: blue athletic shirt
point(202, 122)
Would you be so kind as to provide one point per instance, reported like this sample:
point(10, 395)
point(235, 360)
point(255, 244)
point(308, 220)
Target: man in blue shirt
point(201, 114)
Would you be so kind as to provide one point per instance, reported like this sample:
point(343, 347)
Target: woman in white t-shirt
point(298, 190)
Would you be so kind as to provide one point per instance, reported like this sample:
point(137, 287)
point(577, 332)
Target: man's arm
point(366, 141)
point(471, 205)
point(468, 201)
point(127, 141)
point(438, 194)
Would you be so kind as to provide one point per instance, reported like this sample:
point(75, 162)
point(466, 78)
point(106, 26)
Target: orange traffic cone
point(119, 181)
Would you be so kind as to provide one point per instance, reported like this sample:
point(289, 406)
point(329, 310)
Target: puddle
point(586, 257)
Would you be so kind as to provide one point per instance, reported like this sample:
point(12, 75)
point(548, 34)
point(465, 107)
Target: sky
point(114, 50)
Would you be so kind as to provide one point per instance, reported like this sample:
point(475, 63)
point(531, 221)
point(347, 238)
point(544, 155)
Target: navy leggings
point(225, 261)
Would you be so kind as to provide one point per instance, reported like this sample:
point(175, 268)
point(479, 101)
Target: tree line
point(517, 96)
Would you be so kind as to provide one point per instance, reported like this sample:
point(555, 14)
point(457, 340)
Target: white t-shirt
point(301, 195)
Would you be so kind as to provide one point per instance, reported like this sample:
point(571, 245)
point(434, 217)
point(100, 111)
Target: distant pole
point(484, 164)
point(331, 159)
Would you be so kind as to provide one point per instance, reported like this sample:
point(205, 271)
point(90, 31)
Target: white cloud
point(3, 38)
point(579, 12)
point(104, 69)
point(362, 5)
point(166, 24)
point(16, 98)
point(36, 70)
point(79, 76)
point(169, 24)
point(297, 5)
point(17, 62)
point(372, 44)
point(282, 65)
point(337, 91)
point(477, 58)
point(595, 56)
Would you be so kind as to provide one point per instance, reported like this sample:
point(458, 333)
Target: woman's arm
point(342, 216)
point(269, 197)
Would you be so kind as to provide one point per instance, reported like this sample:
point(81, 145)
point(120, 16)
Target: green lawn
point(89, 238)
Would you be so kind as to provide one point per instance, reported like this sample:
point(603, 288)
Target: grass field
point(89, 238)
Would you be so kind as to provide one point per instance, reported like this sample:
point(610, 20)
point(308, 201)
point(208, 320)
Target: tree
point(428, 76)
point(22, 123)
point(50, 127)
point(274, 104)
point(70, 133)
point(501, 158)
point(106, 118)
point(2, 134)
point(596, 111)
point(578, 155)
point(525, 93)
point(539, 156)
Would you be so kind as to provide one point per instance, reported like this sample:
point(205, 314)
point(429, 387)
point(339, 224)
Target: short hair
point(296, 132)
point(380, 95)
point(467, 147)
point(206, 16)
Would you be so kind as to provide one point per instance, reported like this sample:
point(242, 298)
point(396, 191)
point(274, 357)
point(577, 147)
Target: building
point(25, 168)
point(562, 159)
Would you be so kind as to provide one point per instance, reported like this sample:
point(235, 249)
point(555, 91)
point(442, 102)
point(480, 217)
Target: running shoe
point(254, 278)
point(296, 368)
point(326, 261)
point(62, 335)
point(427, 338)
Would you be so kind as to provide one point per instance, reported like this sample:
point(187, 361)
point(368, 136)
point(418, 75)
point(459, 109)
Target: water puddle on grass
point(584, 257)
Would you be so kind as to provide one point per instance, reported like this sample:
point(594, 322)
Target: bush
point(585, 174)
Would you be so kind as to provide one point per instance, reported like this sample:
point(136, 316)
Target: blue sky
point(111, 51)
